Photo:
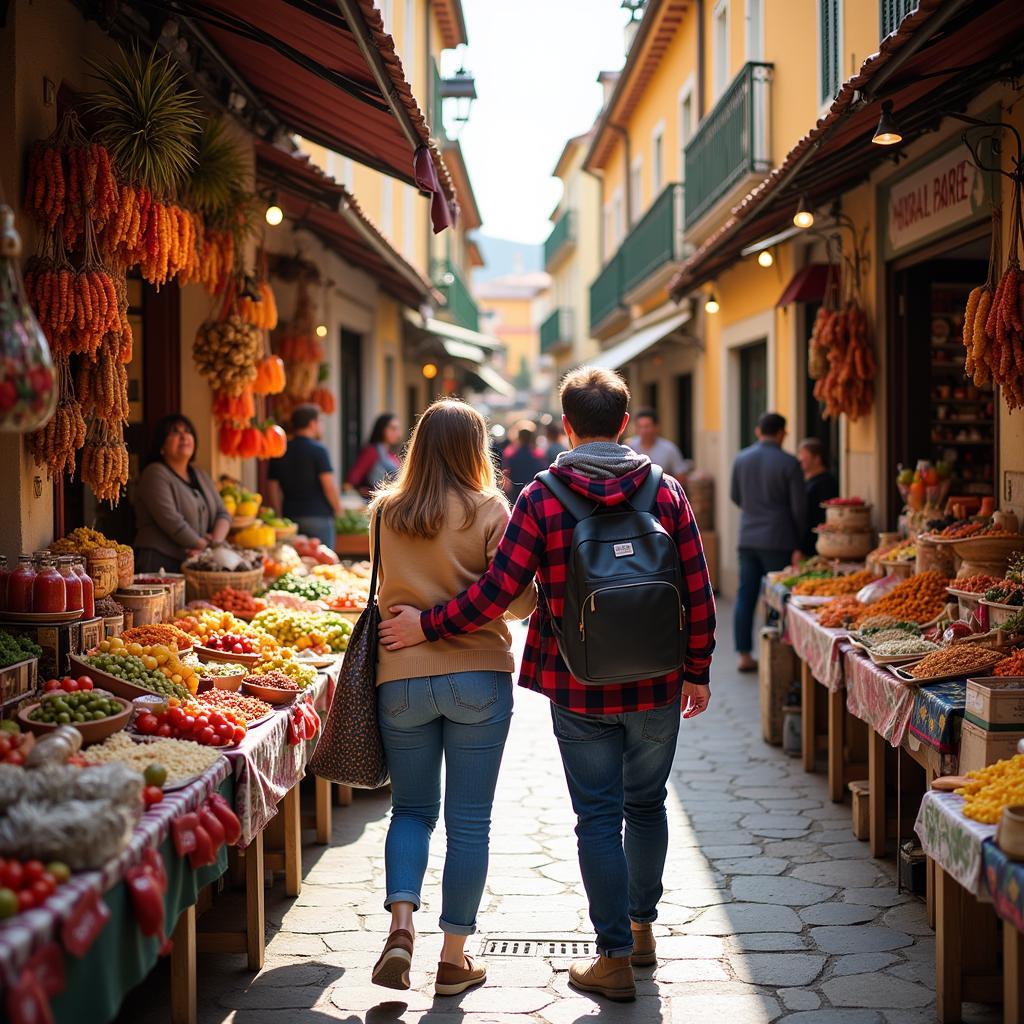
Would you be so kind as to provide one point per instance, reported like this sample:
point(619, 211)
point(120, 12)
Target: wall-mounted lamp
point(765, 258)
point(274, 214)
point(429, 371)
point(803, 218)
point(711, 303)
point(888, 131)
point(321, 330)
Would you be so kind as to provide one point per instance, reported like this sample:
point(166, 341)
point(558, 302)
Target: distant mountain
point(505, 257)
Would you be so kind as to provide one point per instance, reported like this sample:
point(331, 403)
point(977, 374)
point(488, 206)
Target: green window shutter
point(829, 15)
point(892, 12)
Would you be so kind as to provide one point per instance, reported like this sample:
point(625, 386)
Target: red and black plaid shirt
point(537, 543)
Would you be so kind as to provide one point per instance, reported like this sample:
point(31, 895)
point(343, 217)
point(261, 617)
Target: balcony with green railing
point(437, 105)
point(458, 302)
point(656, 240)
point(563, 235)
point(556, 330)
point(731, 142)
point(606, 291)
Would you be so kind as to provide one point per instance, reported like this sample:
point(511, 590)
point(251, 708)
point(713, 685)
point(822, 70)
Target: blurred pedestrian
point(821, 486)
point(302, 485)
point(378, 461)
point(768, 486)
point(648, 441)
point(523, 460)
point(556, 441)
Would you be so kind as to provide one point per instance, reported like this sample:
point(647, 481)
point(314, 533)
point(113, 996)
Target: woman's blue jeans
point(463, 718)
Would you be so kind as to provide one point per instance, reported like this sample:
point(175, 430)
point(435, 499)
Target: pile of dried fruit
point(959, 659)
point(250, 708)
point(918, 599)
point(842, 361)
point(1013, 665)
point(974, 584)
point(838, 614)
point(158, 633)
point(226, 352)
point(835, 586)
point(993, 788)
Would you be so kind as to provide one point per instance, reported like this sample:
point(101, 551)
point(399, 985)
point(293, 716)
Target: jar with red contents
point(49, 593)
point(72, 583)
point(19, 585)
point(5, 575)
point(88, 590)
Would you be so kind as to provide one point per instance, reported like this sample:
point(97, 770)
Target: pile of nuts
point(956, 660)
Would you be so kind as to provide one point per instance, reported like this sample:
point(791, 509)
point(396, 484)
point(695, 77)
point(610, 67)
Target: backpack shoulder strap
point(578, 507)
point(646, 495)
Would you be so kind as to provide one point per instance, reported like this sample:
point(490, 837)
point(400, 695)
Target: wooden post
point(255, 935)
point(948, 947)
point(836, 745)
point(1013, 971)
point(808, 688)
point(292, 842)
point(876, 796)
point(343, 796)
point(183, 968)
point(323, 811)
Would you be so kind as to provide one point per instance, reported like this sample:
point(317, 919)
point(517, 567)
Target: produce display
point(17, 648)
point(135, 671)
point(282, 599)
point(195, 723)
point(307, 587)
point(181, 758)
point(918, 599)
point(321, 632)
point(991, 789)
point(1006, 592)
point(302, 675)
point(233, 643)
point(238, 500)
point(1014, 624)
point(887, 634)
point(224, 558)
point(108, 607)
point(249, 708)
point(274, 678)
point(902, 645)
point(14, 745)
point(226, 352)
point(876, 624)
point(841, 361)
point(834, 586)
point(961, 659)
point(838, 614)
point(161, 633)
point(214, 669)
point(352, 522)
point(961, 529)
point(62, 708)
point(974, 584)
point(155, 656)
point(1012, 665)
point(312, 550)
point(906, 552)
point(205, 624)
point(258, 535)
point(270, 518)
point(28, 884)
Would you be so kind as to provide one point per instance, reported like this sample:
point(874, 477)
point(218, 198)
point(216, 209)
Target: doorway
point(753, 388)
point(351, 418)
point(684, 414)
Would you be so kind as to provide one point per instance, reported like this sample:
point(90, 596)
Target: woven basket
point(199, 586)
point(125, 568)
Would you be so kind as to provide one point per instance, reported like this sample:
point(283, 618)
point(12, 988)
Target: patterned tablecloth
point(822, 649)
point(22, 935)
point(938, 714)
point(957, 844)
point(1004, 883)
point(266, 765)
point(775, 596)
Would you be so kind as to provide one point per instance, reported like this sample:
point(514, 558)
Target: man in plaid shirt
point(617, 741)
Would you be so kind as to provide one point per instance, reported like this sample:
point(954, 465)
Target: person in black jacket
point(821, 486)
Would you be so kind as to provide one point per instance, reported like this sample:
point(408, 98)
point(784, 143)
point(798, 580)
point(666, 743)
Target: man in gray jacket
point(768, 486)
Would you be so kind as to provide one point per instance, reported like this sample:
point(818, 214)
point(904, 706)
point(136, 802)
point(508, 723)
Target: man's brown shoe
point(452, 980)
point(607, 976)
point(644, 954)
point(392, 969)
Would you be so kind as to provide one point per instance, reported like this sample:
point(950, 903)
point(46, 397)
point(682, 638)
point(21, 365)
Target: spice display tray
point(810, 600)
point(900, 672)
point(208, 654)
point(42, 618)
point(91, 732)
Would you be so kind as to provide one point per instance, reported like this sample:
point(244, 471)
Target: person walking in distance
point(302, 485)
point(377, 461)
point(662, 452)
point(768, 486)
point(555, 436)
point(621, 663)
point(522, 460)
point(820, 485)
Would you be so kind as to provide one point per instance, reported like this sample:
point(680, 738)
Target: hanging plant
point(149, 119)
point(214, 184)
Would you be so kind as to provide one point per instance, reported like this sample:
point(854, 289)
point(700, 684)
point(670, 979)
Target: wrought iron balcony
point(563, 234)
point(606, 291)
point(656, 239)
point(556, 331)
point(457, 298)
point(731, 142)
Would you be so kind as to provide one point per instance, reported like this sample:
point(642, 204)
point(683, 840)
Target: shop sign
point(945, 193)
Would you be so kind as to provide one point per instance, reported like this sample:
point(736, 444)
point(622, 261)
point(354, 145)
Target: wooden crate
point(778, 668)
point(860, 790)
point(996, 700)
point(18, 681)
point(981, 747)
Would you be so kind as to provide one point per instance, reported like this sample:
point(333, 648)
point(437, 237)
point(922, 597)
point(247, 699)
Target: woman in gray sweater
point(177, 508)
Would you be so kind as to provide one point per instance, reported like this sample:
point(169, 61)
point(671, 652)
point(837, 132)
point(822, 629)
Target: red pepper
point(228, 819)
point(204, 852)
point(183, 831)
point(212, 824)
point(148, 903)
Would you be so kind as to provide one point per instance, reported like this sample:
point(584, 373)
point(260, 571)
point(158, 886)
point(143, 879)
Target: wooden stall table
point(120, 957)
point(957, 847)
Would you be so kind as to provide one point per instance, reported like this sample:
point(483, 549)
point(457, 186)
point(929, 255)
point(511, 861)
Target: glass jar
point(19, 585)
point(49, 594)
point(5, 575)
point(88, 591)
point(72, 583)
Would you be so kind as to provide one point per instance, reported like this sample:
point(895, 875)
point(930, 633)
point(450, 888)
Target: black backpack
point(624, 618)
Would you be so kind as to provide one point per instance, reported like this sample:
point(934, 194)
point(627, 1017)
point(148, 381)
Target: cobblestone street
point(772, 910)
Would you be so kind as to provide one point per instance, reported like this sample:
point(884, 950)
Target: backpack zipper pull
point(593, 602)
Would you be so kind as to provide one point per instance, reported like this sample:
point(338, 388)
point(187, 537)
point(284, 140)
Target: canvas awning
point(470, 349)
point(808, 284)
point(639, 342)
point(328, 70)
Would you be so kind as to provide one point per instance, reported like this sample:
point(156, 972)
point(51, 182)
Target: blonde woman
point(441, 522)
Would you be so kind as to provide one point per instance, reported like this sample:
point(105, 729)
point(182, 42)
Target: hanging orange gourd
point(270, 378)
point(276, 442)
point(250, 443)
point(228, 438)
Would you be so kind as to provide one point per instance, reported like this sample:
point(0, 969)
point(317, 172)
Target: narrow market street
point(772, 910)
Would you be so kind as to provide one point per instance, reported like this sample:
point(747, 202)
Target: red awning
point(329, 71)
point(314, 201)
point(808, 284)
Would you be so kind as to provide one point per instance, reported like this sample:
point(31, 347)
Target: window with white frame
point(830, 20)
point(755, 30)
point(685, 128)
point(657, 159)
point(636, 188)
point(720, 47)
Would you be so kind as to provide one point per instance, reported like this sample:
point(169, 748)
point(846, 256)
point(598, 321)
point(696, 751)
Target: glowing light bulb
point(711, 305)
point(321, 330)
point(274, 215)
point(429, 371)
point(765, 258)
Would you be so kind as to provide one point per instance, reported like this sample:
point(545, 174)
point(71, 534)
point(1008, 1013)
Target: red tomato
point(85, 683)
point(175, 716)
point(187, 723)
point(201, 722)
point(147, 724)
point(26, 899)
point(152, 795)
point(34, 870)
point(205, 736)
point(164, 729)
point(226, 729)
point(216, 719)
point(5, 745)
point(43, 889)
point(15, 757)
point(237, 649)
point(51, 685)
point(12, 875)
point(69, 684)
point(238, 733)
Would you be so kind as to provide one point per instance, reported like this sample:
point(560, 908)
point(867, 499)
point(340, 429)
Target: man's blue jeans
point(464, 718)
point(321, 527)
point(617, 767)
point(754, 563)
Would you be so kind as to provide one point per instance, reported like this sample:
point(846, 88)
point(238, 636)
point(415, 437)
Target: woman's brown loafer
point(392, 969)
point(452, 980)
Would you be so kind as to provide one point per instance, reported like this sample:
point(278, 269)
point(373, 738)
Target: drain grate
point(538, 947)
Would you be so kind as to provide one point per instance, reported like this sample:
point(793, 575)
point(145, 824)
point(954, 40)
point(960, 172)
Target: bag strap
point(646, 495)
point(578, 507)
point(376, 556)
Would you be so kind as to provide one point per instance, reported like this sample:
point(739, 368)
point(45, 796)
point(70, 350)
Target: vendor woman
point(177, 508)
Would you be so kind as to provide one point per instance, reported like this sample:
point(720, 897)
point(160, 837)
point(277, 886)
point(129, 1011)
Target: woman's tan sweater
point(423, 573)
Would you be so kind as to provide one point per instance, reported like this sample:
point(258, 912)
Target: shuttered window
point(829, 18)
point(892, 12)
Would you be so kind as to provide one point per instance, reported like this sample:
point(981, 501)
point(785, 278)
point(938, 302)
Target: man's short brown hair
point(813, 446)
point(594, 401)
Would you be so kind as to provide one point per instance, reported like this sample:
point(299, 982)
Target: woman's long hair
point(449, 454)
point(380, 424)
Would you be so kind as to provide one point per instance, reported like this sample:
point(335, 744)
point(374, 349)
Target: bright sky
point(535, 64)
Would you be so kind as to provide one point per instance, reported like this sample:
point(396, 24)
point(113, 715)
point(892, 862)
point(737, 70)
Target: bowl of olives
point(96, 714)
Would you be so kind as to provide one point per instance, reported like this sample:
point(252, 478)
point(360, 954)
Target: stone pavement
point(772, 911)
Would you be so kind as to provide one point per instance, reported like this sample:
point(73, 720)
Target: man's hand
point(695, 699)
point(403, 630)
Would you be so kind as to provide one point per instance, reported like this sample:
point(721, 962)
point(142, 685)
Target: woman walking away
point(441, 522)
point(377, 462)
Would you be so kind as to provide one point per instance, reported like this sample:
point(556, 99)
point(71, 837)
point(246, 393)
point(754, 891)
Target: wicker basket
point(200, 586)
point(932, 557)
point(125, 567)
